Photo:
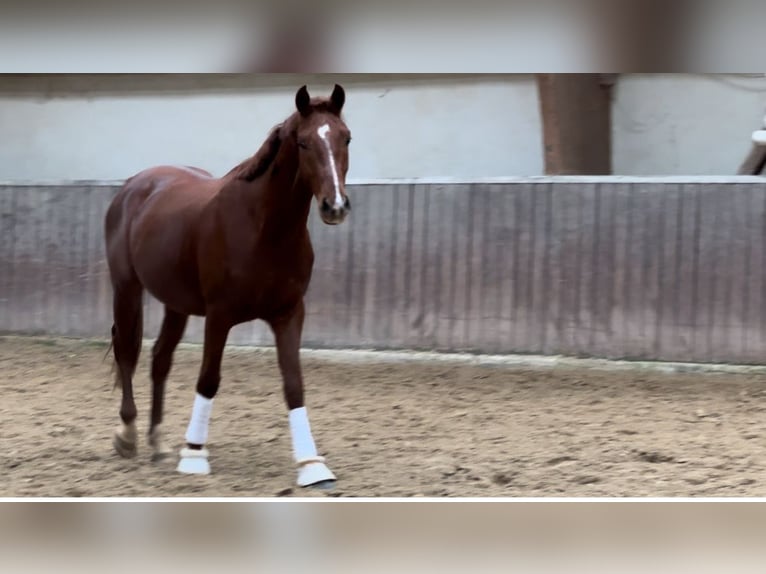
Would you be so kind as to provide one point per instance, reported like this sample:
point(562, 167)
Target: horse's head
point(323, 140)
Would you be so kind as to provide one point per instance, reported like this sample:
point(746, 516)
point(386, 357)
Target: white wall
point(454, 127)
point(464, 127)
point(685, 124)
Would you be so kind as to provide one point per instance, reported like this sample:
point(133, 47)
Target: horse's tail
point(108, 350)
point(114, 370)
point(126, 349)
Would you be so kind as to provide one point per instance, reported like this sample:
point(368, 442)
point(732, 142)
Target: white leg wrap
point(196, 432)
point(195, 461)
point(300, 430)
point(311, 466)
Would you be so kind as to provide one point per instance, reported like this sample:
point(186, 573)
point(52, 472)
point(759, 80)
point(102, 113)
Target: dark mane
point(256, 165)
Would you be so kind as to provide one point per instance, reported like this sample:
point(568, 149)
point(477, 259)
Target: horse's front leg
point(287, 332)
point(194, 455)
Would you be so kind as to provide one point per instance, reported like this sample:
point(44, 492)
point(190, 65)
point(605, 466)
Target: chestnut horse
point(233, 250)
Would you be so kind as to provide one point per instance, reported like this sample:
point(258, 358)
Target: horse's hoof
point(314, 472)
point(124, 448)
point(193, 462)
point(323, 485)
point(161, 456)
point(160, 451)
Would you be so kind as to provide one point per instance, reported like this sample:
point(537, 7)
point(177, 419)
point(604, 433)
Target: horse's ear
point(303, 101)
point(338, 98)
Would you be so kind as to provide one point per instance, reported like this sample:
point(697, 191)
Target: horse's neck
point(286, 207)
point(280, 200)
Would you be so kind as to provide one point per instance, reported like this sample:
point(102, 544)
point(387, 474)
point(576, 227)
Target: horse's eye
point(303, 144)
point(348, 140)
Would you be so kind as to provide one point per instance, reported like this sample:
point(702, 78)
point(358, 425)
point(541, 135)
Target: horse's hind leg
point(127, 332)
point(171, 332)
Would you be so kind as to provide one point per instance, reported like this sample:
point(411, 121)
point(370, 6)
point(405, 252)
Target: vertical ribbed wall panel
point(653, 270)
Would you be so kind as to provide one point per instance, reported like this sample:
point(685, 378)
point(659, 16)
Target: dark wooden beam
point(577, 126)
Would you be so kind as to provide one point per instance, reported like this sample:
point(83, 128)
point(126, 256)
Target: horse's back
point(189, 181)
point(163, 188)
point(185, 180)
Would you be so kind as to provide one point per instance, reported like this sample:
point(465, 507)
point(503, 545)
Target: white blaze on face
point(322, 132)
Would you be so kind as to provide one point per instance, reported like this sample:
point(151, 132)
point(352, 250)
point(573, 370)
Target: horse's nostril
point(347, 204)
point(326, 207)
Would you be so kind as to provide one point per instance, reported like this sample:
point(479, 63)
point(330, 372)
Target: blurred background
point(378, 538)
point(424, 36)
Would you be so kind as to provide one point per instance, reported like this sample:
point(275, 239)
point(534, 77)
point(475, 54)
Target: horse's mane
point(256, 165)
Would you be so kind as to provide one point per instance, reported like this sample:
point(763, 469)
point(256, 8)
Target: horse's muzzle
point(333, 215)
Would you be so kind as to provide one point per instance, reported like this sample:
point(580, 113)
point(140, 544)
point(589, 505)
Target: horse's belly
point(166, 267)
point(173, 286)
point(176, 295)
